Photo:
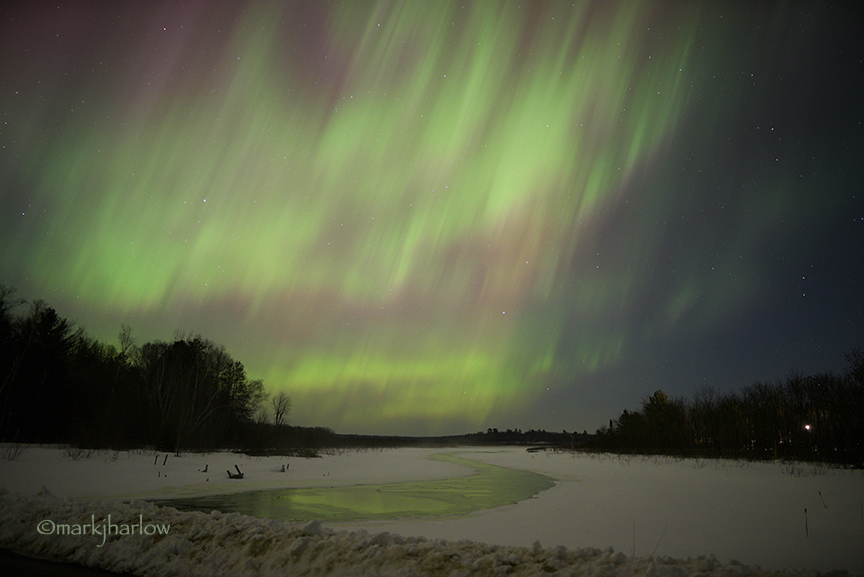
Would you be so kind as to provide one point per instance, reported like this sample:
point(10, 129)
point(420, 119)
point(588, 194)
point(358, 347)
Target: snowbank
point(216, 544)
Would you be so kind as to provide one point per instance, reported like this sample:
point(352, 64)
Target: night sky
point(439, 217)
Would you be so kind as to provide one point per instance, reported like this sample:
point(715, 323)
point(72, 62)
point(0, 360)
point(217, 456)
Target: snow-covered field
point(678, 517)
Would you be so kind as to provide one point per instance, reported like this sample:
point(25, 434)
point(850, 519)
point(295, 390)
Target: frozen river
point(488, 487)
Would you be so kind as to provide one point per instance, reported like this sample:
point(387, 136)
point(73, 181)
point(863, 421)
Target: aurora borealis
point(438, 217)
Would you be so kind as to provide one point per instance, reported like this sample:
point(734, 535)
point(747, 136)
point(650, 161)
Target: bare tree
point(127, 341)
point(281, 407)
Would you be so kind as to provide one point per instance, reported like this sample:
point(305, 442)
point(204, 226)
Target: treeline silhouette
point(531, 437)
point(60, 385)
point(491, 437)
point(810, 418)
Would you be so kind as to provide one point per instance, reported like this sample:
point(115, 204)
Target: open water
point(490, 486)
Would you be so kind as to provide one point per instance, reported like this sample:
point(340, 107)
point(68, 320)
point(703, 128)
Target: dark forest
point(61, 385)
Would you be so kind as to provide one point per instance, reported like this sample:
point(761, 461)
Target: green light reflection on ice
point(490, 486)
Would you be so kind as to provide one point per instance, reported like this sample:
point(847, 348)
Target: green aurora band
point(399, 223)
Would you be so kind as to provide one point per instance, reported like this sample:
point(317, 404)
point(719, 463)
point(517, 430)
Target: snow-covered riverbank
point(676, 516)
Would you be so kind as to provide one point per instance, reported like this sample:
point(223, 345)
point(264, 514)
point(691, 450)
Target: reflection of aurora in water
point(489, 487)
